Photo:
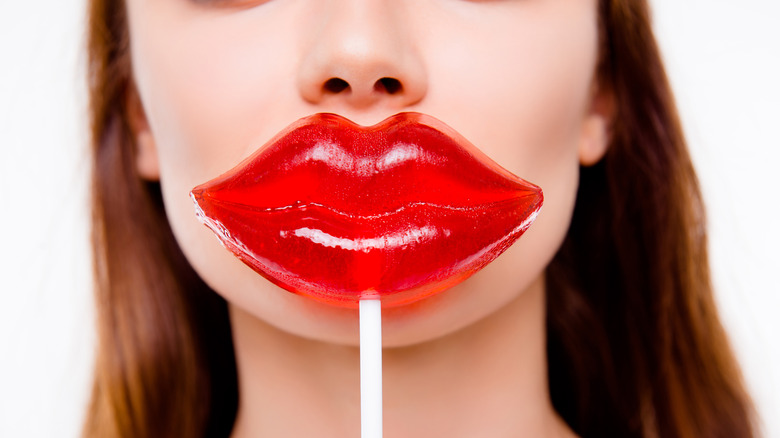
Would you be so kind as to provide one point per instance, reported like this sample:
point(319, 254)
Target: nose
point(360, 54)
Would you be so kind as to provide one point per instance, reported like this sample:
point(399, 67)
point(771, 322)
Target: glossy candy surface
point(339, 212)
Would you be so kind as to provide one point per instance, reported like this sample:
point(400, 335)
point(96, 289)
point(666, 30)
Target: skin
point(216, 80)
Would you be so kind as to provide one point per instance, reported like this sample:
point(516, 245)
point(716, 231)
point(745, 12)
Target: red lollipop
point(340, 212)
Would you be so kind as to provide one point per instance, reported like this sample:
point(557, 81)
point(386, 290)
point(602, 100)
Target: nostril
point(391, 85)
point(335, 85)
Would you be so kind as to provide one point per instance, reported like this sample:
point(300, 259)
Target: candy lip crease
point(339, 212)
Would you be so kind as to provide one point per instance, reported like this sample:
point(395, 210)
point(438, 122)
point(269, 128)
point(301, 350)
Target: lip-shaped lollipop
point(340, 212)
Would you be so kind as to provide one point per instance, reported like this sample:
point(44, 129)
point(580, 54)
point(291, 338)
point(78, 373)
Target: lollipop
point(338, 212)
point(354, 216)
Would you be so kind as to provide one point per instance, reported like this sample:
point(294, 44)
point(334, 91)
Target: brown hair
point(165, 365)
point(635, 348)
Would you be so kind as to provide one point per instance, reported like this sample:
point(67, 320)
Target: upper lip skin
point(340, 212)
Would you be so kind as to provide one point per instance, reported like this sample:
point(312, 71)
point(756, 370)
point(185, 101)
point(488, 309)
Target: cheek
point(205, 96)
point(207, 103)
point(521, 97)
point(528, 114)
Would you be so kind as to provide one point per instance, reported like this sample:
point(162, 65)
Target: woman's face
point(219, 78)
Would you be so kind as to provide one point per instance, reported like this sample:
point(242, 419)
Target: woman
point(598, 322)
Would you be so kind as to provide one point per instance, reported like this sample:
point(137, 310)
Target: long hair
point(635, 347)
point(165, 365)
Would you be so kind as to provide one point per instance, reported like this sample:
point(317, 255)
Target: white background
point(723, 57)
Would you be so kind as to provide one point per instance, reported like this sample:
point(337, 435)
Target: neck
point(490, 377)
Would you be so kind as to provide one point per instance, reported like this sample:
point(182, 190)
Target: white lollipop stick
point(371, 369)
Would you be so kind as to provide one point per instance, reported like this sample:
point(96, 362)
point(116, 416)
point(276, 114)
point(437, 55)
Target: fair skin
point(217, 79)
